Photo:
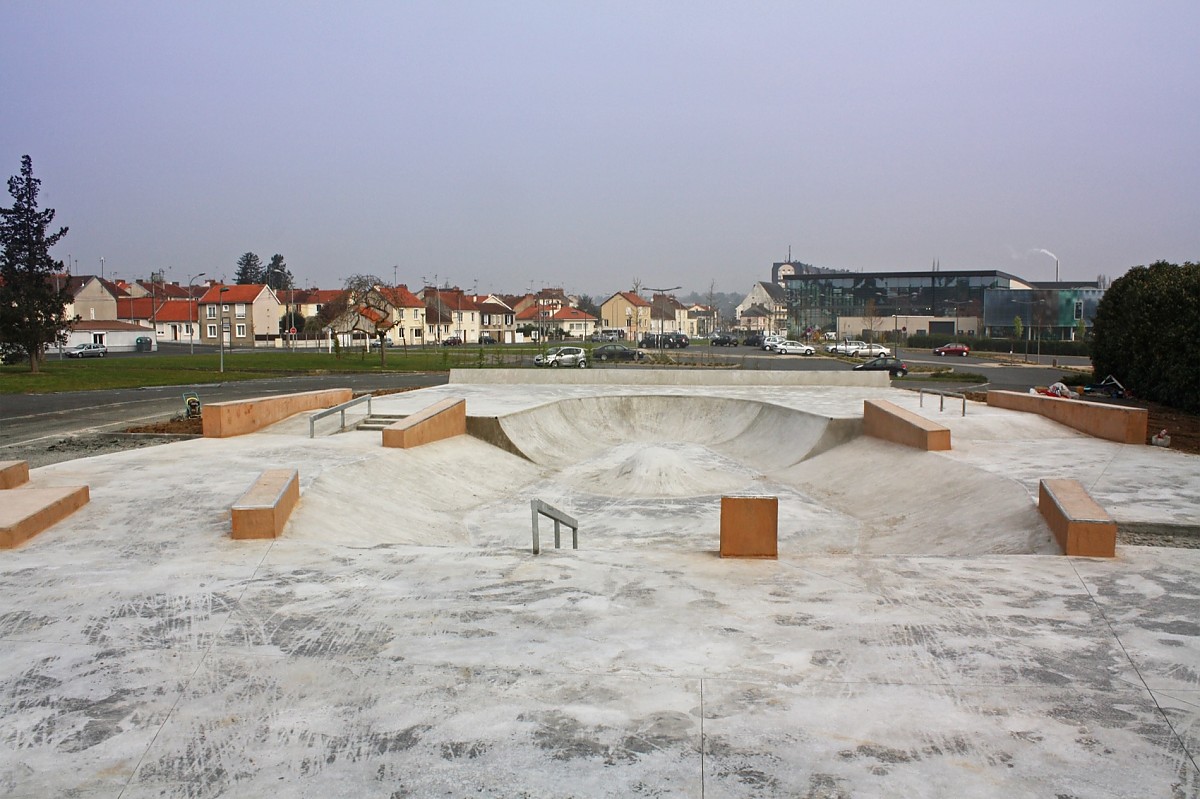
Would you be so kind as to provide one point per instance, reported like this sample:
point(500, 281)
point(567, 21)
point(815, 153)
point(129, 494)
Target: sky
point(509, 146)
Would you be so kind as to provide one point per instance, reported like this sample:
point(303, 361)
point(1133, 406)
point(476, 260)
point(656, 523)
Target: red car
point(953, 349)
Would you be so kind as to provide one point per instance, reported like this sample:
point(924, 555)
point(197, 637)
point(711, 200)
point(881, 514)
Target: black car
point(894, 366)
point(486, 339)
point(452, 341)
point(724, 340)
point(666, 341)
point(616, 352)
point(754, 340)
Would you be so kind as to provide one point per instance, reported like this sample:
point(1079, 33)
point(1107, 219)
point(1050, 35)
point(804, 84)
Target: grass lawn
point(157, 369)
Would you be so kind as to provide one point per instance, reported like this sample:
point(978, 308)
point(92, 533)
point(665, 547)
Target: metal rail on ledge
point(540, 508)
point(312, 420)
point(943, 395)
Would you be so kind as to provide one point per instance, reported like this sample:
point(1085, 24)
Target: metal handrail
point(943, 395)
point(541, 508)
point(312, 420)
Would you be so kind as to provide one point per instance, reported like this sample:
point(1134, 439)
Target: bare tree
point(367, 311)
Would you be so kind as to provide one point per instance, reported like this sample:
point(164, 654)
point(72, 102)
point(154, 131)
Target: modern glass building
point(818, 298)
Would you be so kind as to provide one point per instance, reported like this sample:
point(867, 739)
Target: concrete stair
point(378, 421)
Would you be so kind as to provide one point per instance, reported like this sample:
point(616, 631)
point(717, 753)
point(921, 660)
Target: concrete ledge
point(1080, 525)
point(883, 419)
point(238, 417)
point(750, 527)
point(13, 474)
point(1111, 422)
point(645, 376)
point(444, 419)
point(264, 509)
point(25, 512)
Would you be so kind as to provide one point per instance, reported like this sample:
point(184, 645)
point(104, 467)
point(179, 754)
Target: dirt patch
point(176, 426)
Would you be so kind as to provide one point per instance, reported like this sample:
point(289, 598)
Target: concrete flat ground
point(918, 636)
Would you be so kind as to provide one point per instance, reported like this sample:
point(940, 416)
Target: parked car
point(373, 342)
point(452, 341)
point(871, 351)
point(487, 339)
point(789, 347)
point(617, 352)
point(754, 340)
point(666, 341)
point(895, 366)
point(724, 340)
point(562, 356)
point(846, 347)
point(953, 348)
point(770, 341)
point(87, 351)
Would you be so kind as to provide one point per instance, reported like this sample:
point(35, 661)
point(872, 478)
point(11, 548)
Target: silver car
point(562, 356)
point(790, 347)
point(87, 351)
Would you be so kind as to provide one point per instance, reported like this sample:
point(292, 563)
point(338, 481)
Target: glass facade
point(819, 300)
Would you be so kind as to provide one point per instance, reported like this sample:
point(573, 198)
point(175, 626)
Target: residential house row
point(256, 315)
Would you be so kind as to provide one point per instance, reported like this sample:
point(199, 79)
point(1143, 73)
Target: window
point(211, 311)
point(224, 309)
point(212, 331)
point(240, 310)
point(241, 331)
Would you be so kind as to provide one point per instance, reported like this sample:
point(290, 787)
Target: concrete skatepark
point(920, 633)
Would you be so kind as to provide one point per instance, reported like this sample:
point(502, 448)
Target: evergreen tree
point(249, 270)
point(277, 275)
point(33, 298)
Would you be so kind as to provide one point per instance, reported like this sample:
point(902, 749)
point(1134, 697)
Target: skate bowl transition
point(649, 471)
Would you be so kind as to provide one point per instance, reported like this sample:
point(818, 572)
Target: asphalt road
point(27, 418)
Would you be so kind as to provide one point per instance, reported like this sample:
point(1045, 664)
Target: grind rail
point(540, 508)
point(312, 420)
point(943, 395)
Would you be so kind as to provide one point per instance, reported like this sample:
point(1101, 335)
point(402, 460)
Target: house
point(309, 302)
point(667, 314)
point(757, 319)
point(408, 314)
point(170, 319)
point(574, 323)
point(701, 321)
point(117, 335)
point(628, 311)
point(93, 298)
point(770, 297)
point(248, 314)
point(450, 312)
point(496, 319)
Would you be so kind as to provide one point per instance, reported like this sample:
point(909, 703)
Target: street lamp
point(221, 324)
point(957, 305)
point(662, 312)
point(192, 311)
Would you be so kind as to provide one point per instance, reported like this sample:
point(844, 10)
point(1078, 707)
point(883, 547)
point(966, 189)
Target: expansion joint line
point(1153, 697)
point(703, 741)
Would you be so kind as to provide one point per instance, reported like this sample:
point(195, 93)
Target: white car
point(872, 351)
point(847, 347)
point(789, 347)
point(562, 356)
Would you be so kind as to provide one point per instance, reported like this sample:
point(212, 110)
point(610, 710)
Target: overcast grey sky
point(583, 145)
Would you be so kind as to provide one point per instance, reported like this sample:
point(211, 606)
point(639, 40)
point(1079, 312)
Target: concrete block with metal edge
point(238, 417)
point(749, 527)
point(886, 420)
point(1111, 422)
point(13, 473)
point(27, 511)
point(265, 507)
point(444, 419)
point(1079, 524)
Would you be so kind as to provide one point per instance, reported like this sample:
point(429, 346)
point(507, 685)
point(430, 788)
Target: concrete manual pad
point(400, 639)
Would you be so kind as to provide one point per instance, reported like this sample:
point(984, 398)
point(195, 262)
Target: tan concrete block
point(750, 527)
point(1110, 422)
point(1081, 527)
point(238, 417)
point(443, 419)
point(27, 511)
point(264, 509)
point(13, 474)
point(890, 422)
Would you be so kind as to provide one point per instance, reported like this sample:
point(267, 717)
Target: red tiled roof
point(401, 297)
point(633, 299)
point(156, 309)
point(567, 314)
point(237, 293)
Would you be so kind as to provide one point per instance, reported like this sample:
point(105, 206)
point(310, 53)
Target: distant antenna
point(789, 253)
